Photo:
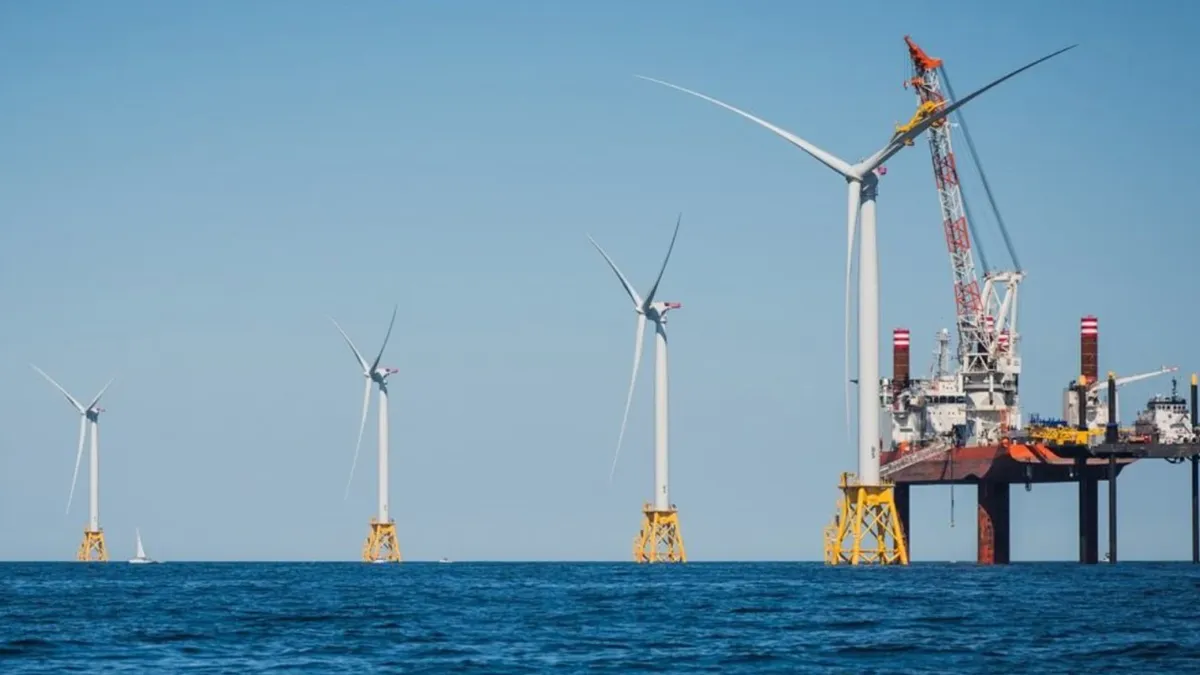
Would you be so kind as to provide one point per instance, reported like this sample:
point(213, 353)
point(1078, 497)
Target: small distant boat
point(140, 558)
point(444, 560)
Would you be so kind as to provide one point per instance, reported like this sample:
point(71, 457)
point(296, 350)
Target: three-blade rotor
point(645, 309)
point(372, 373)
point(89, 413)
point(861, 173)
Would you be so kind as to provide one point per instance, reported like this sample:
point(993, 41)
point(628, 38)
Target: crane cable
point(976, 240)
point(962, 121)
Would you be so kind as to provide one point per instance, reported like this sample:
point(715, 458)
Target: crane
point(988, 351)
point(1097, 411)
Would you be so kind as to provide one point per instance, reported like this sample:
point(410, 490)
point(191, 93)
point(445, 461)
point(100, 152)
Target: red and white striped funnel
point(900, 359)
point(1089, 348)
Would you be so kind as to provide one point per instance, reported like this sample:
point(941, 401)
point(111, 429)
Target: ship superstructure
point(1166, 419)
point(1097, 393)
point(971, 397)
point(923, 410)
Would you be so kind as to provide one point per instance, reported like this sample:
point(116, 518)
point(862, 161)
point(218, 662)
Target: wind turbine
point(382, 544)
point(862, 182)
point(93, 547)
point(660, 539)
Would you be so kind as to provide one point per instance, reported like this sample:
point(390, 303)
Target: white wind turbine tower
point(382, 545)
point(93, 547)
point(862, 181)
point(660, 539)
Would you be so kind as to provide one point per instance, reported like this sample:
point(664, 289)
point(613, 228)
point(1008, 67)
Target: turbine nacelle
point(381, 374)
point(864, 175)
point(658, 310)
point(857, 173)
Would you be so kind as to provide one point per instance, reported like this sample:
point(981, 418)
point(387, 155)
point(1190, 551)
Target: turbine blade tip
point(654, 80)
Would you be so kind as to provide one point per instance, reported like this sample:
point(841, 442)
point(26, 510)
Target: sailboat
point(140, 558)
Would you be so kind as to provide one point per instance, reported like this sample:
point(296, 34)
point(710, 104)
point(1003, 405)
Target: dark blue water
point(620, 618)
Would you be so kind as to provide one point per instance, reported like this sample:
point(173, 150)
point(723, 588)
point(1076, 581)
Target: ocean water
point(499, 618)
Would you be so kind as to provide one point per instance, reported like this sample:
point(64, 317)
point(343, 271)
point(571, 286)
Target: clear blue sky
point(189, 190)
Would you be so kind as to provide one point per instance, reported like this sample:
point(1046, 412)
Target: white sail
point(141, 552)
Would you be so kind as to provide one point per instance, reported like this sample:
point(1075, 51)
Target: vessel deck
point(1012, 463)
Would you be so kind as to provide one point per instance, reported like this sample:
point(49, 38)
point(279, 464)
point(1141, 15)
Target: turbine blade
point(637, 360)
point(361, 425)
point(925, 124)
point(385, 339)
point(633, 294)
point(78, 456)
point(97, 399)
point(855, 197)
point(816, 153)
point(654, 288)
point(900, 140)
point(58, 386)
point(361, 361)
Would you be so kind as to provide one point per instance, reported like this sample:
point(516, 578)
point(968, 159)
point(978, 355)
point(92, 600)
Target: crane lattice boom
point(973, 339)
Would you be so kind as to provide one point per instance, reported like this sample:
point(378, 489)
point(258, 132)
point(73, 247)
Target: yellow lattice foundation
point(382, 543)
point(92, 549)
point(867, 517)
point(660, 539)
